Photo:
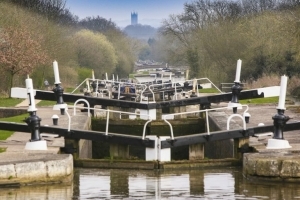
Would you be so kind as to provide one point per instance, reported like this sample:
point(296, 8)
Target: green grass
point(260, 100)
point(246, 101)
point(69, 90)
point(4, 135)
point(2, 149)
point(209, 90)
point(46, 103)
point(18, 119)
point(9, 102)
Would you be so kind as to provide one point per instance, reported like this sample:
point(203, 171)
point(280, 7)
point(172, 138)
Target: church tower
point(134, 18)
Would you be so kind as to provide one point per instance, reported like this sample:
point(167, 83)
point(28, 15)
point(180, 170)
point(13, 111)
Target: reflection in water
point(219, 185)
point(227, 183)
point(49, 192)
point(188, 184)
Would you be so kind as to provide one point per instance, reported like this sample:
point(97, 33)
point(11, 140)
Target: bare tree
point(51, 9)
point(176, 27)
point(19, 52)
point(98, 23)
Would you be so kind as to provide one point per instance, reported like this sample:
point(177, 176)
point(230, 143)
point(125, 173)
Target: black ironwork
point(45, 95)
point(33, 122)
point(94, 86)
point(58, 92)
point(236, 89)
point(223, 135)
point(82, 134)
point(279, 123)
point(70, 149)
point(138, 141)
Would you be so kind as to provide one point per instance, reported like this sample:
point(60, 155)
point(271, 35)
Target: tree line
point(211, 35)
point(34, 33)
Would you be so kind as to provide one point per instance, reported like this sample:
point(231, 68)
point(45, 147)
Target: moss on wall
point(158, 127)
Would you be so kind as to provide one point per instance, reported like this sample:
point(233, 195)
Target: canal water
point(223, 183)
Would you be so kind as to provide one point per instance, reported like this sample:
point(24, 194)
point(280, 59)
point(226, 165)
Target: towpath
point(20, 166)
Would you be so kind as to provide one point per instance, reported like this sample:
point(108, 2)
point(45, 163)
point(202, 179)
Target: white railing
point(173, 84)
point(113, 111)
point(153, 96)
point(88, 80)
point(88, 104)
point(101, 94)
point(142, 86)
point(206, 115)
point(112, 83)
point(164, 116)
point(135, 85)
point(199, 79)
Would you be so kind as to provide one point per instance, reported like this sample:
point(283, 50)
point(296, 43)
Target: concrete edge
point(38, 172)
point(152, 165)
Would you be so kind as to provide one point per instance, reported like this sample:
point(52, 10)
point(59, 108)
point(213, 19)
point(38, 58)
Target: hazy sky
point(149, 11)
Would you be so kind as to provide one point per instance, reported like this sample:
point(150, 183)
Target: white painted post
point(164, 155)
point(145, 113)
point(283, 84)
point(151, 153)
point(29, 87)
point(157, 153)
point(238, 71)
point(56, 72)
point(93, 75)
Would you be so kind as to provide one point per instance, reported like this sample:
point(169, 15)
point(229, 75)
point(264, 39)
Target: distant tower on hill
point(134, 18)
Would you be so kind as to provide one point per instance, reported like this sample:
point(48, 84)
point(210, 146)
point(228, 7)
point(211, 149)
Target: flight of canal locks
point(158, 125)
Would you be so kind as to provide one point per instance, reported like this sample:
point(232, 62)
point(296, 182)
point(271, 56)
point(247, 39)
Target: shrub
point(264, 81)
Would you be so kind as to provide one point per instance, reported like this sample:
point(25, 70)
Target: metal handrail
point(88, 79)
point(197, 89)
point(153, 96)
point(236, 115)
point(208, 81)
point(116, 111)
point(101, 92)
point(69, 117)
point(78, 86)
point(206, 115)
point(84, 100)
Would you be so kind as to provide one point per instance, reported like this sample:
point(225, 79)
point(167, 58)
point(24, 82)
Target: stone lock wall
point(9, 112)
point(272, 165)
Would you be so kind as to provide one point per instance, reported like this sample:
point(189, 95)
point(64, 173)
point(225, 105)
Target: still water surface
point(225, 183)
